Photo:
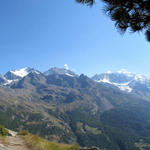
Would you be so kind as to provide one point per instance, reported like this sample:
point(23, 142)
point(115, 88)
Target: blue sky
point(43, 34)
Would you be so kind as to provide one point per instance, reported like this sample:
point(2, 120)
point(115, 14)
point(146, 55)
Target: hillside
point(26, 141)
point(75, 109)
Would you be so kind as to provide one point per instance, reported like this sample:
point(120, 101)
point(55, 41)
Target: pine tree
point(128, 14)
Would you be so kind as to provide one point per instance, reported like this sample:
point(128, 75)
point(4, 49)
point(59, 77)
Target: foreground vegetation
point(35, 142)
point(3, 131)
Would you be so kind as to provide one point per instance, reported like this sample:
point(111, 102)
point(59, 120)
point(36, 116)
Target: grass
point(37, 143)
point(92, 130)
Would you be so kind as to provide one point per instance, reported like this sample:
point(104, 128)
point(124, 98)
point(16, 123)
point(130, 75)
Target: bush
point(74, 147)
point(24, 132)
point(3, 131)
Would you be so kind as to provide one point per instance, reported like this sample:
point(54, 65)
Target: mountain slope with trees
point(75, 109)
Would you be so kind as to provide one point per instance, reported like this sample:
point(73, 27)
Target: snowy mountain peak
point(18, 74)
point(124, 80)
point(126, 72)
point(60, 71)
point(22, 72)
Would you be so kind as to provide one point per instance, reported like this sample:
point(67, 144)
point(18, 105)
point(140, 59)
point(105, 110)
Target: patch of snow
point(105, 80)
point(125, 88)
point(69, 74)
point(121, 86)
point(36, 72)
point(21, 73)
point(10, 81)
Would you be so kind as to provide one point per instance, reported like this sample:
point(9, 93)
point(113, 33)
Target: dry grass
point(37, 143)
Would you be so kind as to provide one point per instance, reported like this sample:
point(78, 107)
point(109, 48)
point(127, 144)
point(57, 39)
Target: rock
point(92, 148)
point(12, 133)
point(2, 147)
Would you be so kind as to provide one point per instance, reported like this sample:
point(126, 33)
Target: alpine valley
point(110, 111)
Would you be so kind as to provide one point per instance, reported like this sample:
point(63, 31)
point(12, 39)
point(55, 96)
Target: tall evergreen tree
point(128, 14)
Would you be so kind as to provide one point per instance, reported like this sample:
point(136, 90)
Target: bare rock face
point(3, 80)
point(12, 133)
point(92, 148)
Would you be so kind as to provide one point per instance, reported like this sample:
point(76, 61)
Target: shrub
point(74, 147)
point(3, 131)
point(24, 132)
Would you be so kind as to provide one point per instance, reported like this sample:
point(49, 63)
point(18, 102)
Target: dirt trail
point(14, 143)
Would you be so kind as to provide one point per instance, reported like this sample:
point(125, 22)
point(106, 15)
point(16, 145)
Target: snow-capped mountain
point(15, 75)
point(18, 74)
point(60, 71)
point(125, 81)
point(122, 80)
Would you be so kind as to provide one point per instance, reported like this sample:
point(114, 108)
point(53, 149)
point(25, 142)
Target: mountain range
point(123, 80)
point(126, 81)
point(110, 111)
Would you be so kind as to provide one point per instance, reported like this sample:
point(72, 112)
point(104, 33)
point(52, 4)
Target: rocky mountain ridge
point(16, 75)
point(123, 80)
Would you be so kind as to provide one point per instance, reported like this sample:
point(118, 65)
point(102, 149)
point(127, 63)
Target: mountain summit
point(125, 81)
point(59, 71)
point(17, 74)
